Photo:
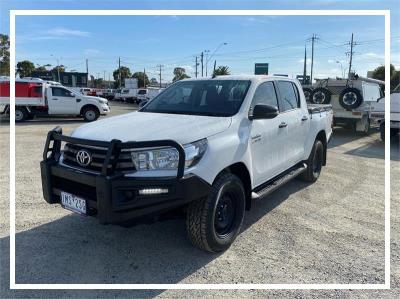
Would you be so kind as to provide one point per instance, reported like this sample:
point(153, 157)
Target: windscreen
point(203, 97)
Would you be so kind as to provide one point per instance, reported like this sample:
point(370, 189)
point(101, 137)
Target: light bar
point(153, 191)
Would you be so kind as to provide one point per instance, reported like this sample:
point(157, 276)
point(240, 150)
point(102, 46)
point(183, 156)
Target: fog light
point(152, 191)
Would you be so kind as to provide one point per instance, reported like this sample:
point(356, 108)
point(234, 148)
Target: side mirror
point(143, 103)
point(263, 112)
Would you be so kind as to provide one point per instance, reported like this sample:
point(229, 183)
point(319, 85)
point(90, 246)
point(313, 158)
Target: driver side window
point(61, 92)
point(265, 95)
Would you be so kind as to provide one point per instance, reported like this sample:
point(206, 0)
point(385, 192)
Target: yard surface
point(329, 232)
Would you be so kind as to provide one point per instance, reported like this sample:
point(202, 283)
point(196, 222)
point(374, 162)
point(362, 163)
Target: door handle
point(283, 125)
point(54, 99)
point(304, 118)
point(78, 100)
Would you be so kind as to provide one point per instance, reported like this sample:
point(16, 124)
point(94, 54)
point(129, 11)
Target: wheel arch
point(84, 107)
point(240, 170)
point(321, 136)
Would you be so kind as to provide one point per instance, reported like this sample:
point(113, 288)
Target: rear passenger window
point(289, 96)
point(265, 95)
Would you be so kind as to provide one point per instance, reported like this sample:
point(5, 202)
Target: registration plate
point(73, 203)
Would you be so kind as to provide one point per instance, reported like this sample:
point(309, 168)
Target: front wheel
point(314, 162)
point(214, 222)
point(90, 114)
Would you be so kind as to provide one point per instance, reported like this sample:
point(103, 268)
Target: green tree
point(125, 73)
point(141, 77)
point(25, 68)
point(179, 74)
point(4, 55)
point(153, 82)
point(42, 68)
point(222, 70)
point(60, 68)
point(379, 72)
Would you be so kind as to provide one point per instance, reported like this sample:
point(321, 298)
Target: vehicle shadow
point(75, 249)
point(342, 136)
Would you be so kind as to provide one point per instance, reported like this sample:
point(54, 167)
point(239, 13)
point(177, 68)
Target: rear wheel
point(21, 114)
point(307, 93)
point(90, 114)
point(214, 222)
point(314, 163)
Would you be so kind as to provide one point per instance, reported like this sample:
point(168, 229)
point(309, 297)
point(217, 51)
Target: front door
point(267, 137)
point(62, 101)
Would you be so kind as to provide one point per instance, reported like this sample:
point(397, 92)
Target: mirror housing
point(263, 112)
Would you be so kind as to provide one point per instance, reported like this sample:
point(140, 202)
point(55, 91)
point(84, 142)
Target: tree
point(125, 73)
point(379, 73)
point(61, 68)
point(153, 82)
point(25, 68)
point(179, 74)
point(141, 77)
point(42, 68)
point(222, 70)
point(4, 55)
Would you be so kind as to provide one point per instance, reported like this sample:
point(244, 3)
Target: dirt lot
point(328, 232)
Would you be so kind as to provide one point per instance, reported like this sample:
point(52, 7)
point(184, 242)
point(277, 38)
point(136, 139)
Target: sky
point(143, 42)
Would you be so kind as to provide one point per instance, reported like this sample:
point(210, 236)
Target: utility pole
point(144, 77)
point(87, 72)
point(313, 39)
point(196, 65)
point(160, 66)
point(202, 64)
point(119, 72)
point(215, 66)
point(351, 53)
point(305, 65)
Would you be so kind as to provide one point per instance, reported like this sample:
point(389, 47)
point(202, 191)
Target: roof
point(242, 77)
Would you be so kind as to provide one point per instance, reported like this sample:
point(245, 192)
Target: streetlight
point(341, 67)
point(58, 66)
point(213, 53)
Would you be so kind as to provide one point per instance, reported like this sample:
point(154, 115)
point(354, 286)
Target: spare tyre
point(307, 93)
point(320, 95)
point(350, 98)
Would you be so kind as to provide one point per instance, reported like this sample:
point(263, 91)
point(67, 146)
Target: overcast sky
point(147, 41)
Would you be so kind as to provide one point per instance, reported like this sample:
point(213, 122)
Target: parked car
point(42, 99)
point(351, 99)
point(128, 95)
point(208, 147)
point(377, 113)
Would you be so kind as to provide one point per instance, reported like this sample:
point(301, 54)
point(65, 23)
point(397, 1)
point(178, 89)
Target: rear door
point(295, 121)
point(62, 101)
point(267, 139)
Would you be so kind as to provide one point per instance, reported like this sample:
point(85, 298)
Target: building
point(70, 79)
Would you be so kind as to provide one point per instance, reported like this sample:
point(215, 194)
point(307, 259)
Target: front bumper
point(112, 197)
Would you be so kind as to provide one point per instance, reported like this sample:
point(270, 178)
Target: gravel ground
point(329, 232)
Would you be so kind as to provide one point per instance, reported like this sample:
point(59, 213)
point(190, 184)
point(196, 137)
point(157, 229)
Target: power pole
point(160, 66)
point(351, 53)
point(144, 77)
point(119, 72)
point(196, 72)
point(305, 65)
point(202, 64)
point(215, 66)
point(87, 72)
point(313, 39)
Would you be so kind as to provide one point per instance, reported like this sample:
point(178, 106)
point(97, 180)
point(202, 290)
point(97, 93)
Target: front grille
point(98, 156)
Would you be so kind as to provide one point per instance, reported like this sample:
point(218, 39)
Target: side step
point(278, 182)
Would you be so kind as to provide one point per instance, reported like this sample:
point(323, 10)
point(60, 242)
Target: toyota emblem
point(83, 157)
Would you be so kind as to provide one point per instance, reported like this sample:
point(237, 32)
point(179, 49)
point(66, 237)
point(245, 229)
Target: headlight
point(103, 101)
point(168, 158)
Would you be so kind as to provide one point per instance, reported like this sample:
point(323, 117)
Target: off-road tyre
point(204, 230)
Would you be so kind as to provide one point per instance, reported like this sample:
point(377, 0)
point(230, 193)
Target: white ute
point(39, 98)
point(208, 147)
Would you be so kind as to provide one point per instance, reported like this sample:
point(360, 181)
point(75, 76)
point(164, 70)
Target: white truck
point(377, 113)
point(207, 147)
point(37, 98)
point(128, 95)
point(351, 99)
